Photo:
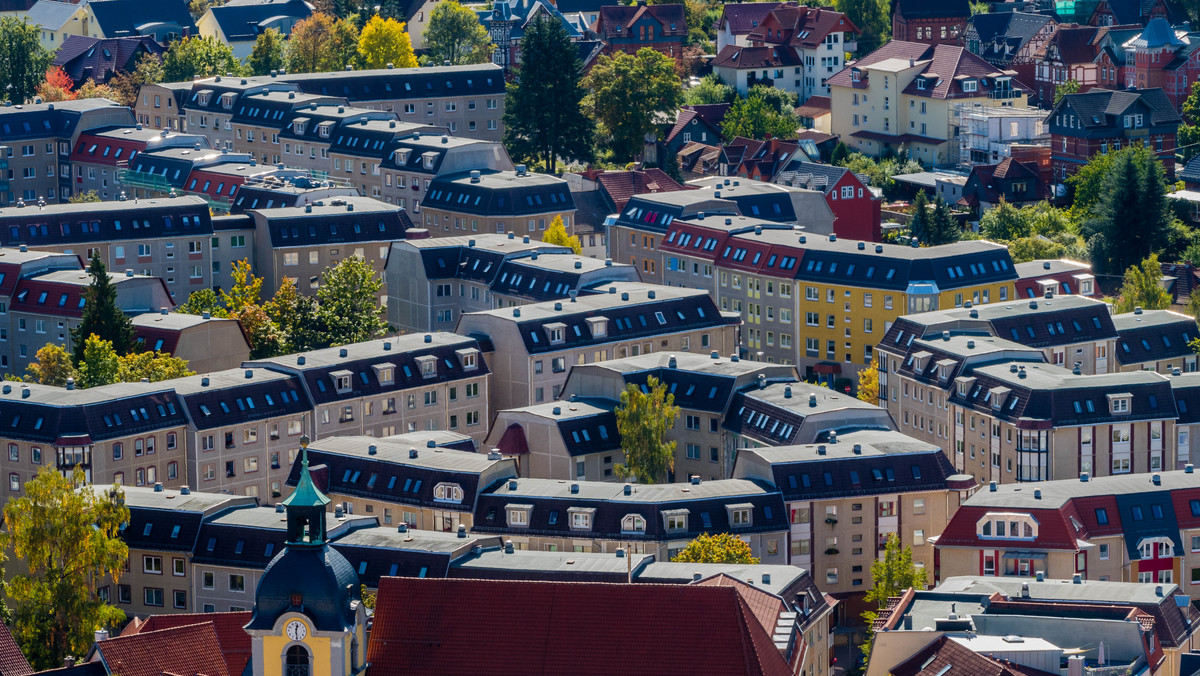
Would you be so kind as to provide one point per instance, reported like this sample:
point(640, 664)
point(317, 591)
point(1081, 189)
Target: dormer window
point(970, 85)
point(227, 100)
point(1007, 526)
point(324, 128)
point(1156, 548)
point(920, 83)
point(555, 332)
point(447, 492)
point(428, 366)
point(342, 381)
point(298, 127)
point(385, 373)
point(581, 517)
point(633, 523)
point(468, 358)
point(518, 515)
point(740, 515)
point(855, 75)
point(1118, 404)
point(676, 520)
point(598, 326)
point(202, 97)
point(998, 396)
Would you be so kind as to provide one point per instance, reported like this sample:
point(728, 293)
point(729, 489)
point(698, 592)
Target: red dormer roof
point(896, 49)
point(618, 21)
point(621, 185)
point(1054, 530)
point(51, 298)
point(191, 650)
point(233, 640)
point(953, 65)
point(742, 18)
point(106, 150)
point(803, 27)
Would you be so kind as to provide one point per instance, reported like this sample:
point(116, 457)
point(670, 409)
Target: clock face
point(296, 630)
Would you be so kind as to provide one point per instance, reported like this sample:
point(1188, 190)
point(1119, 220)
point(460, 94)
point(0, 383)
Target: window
point(209, 579)
point(153, 597)
point(237, 583)
point(633, 523)
point(178, 567)
point(296, 662)
point(152, 565)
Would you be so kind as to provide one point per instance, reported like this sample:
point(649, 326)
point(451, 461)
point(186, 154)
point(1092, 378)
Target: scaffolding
point(985, 133)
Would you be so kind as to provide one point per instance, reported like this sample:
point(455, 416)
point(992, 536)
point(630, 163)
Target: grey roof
point(51, 14)
point(551, 562)
point(1041, 268)
point(397, 451)
point(148, 498)
point(173, 321)
point(799, 396)
point(870, 443)
point(1135, 320)
point(568, 410)
point(1060, 590)
point(684, 361)
point(411, 539)
point(1157, 34)
point(1055, 494)
point(639, 293)
point(332, 356)
point(615, 492)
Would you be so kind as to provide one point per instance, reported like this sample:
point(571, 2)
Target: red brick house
point(1117, 12)
point(932, 22)
point(1163, 58)
point(1100, 120)
point(628, 28)
point(857, 212)
point(1087, 54)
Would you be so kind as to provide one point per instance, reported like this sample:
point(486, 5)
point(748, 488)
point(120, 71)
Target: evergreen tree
point(392, 9)
point(918, 227)
point(643, 419)
point(543, 115)
point(941, 228)
point(101, 315)
point(1132, 214)
point(267, 54)
point(873, 17)
point(23, 59)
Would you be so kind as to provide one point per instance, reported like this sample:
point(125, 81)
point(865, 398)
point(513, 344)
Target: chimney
point(185, 490)
point(508, 547)
point(101, 635)
point(412, 453)
point(462, 530)
point(70, 383)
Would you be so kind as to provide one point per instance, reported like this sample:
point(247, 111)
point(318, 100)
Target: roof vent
point(1041, 576)
point(878, 248)
point(857, 449)
point(428, 337)
point(557, 410)
point(757, 229)
point(280, 509)
point(1021, 372)
point(696, 577)
point(431, 444)
point(525, 239)
point(700, 216)
point(1077, 579)
point(1084, 477)
point(671, 363)
point(516, 312)
point(578, 265)
point(762, 381)
point(206, 315)
point(1156, 479)
point(494, 454)
point(970, 345)
point(128, 272)
point(787, 392)
point(412, 453)
point(734, 358)
point(1033, 305)
point(945, 335)
point(25, 392)
point(862, 245)
point(812, 401)
point(650, 294)
point(343, 352)
point(185, 490)
point(512, 484)
point(1045, 265)
point(1158, 590)
point(402, 528)
point(620, 554)
point(390, 65)
point(821, 449)
point(1077, 371)
point(1049, 294)
point(717, 194)
point(158, 487)
point(624, 295)
point(70, 383)
point(1175, 371)
point(803, 239)
point(7, 388)
point(508, 547)
point(832, 237)
point(728, 221)
point(608, 262)
point(628, 490)
point(1137, 310)
point(462, 530)
point(163, 311)
point(300, 360)
point(249, 374)
point(1012, 368)
point(558, 307)
point(992, 486)
point(1037, 494)
point(387, 346)
point(372, 449)
point(1189, 468)
point(694, 479)
point(574, 488)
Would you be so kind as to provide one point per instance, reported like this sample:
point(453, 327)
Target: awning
point(73, 440)
point(827, 368)
point(1022, 554)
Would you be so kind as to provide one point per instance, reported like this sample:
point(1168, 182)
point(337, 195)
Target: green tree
point(941, 228)
point(1087, 184)
point(556, 233)
point(628, 95)
point(890, 576)
point(267, 54)
point(1003, 223)
point(153, 366)
point(1193, 305)
point(755, 118)
point(199, 56)
point(68, 538)
point(348, 309)
point(1069, 87)
point(1133, 214)
point(873, 17)
point(543, 116)
point(295, 317)
point(23, 60)
point(1188, 141)
point(919, 225)
point(201, 301)
point(718, 548)
point(868, 383)
point(100, 364)
point(53, 366)
point(979, 7)
point(392, 9)
point(385, 41)
point(84, 197)
point(149, 70)
point(101, 315)
point(455, 34)
point(321, 43)
point(1025, 249)
point(840, 155)
point(779, 100)
point(710, 90)
point(1143, 288)
point(643, 419)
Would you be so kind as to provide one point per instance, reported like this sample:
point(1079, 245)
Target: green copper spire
point(305, 507)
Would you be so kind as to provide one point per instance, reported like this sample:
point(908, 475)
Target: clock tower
point(308, 615)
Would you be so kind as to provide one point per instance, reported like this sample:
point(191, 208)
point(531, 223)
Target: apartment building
point(128, 433)
point(412, 162)
point(160, 105)
point(429, 481)
point(658, 519)
point(845, 497)
point(244, 429)
point(1082, 125)
point(1154, 340)
point(823, 302)
point(1009, 40)
point(380, 388)
point(899, 98)
point(786, 414)
point(100, 155)
point(1091, 55)
point(304, 135)
point(37, 139)
point(496, 201)
point(573, 439)
point(533, 346)
point(1138, 528)
point(164, 238)
point(1059, 277)
point(162, 536)
point(432, 281)
point(301, 243)
point(209, 105)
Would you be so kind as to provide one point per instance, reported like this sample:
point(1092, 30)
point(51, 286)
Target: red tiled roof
point(896, 49)
point(431, 626)
point(765, 605)
point(623, 17)
point(734, 56)
point(743, 17)
point(804, 27)
point(815, 106)
point(712, 113)
point(949, 62)
point(12, 661)
point(191, 650)
point(944, 653)
point(815, 136)
point(621, 185)
point(232, 638)
point(1054, 530)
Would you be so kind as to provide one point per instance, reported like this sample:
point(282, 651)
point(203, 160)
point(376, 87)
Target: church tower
point(308, 614)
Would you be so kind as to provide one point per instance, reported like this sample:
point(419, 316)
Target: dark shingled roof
point(125, 18)
point(933, 9)
point(241, 22)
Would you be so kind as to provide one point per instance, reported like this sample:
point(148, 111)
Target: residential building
point(989, 134)
point(99, 60)
point(38, 138)
point(507, 20)
point(207, 343)
point(105, 160)
point(164, 238)
point(301, 243)
point(804, 47)
point(900, 97)
point(934, 22)
point(1010, 181)
point(1187, 425)
point(857, 210)
point(1090, 55)
point(56, 20)
point(435, 381)
point(767, 158)
point(1164, 58)
point(1116, 13)
point(690, 126)
point(239, 25)
point(382, 552)
point(432, 281)
point(628, 28)
point(166, 111)
point(786, 414)
point(847, 496)
point(847, 293)
point(659, 519)
point(410, 164)
point(1155, 340)
point(740, 19)
point(1009, 40)
point(164, 21)
point(1059, 277)
point(533, 346)
point(1082, 125)
point(740, 640)
point(277, 189)
point(496, 202)
point(575, 440)
point(431, 481)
